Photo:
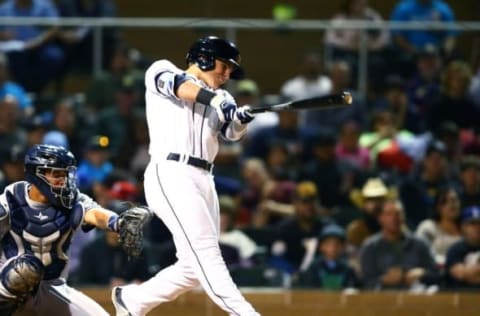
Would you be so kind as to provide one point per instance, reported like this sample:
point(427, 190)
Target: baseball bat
point(338, 100)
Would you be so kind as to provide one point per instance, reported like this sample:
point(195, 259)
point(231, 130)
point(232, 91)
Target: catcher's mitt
point(130, 229)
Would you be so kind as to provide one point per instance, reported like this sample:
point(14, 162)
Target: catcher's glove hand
point(130, 229)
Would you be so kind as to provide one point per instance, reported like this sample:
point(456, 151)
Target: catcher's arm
point(129, 225)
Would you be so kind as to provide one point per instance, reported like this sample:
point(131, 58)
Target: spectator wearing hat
point(330, 270)
point(470, 181)
point(369, 200)
point(463, 258)
point(420, 188)
point(393, 258)
point(95, 165)
point(295, 237)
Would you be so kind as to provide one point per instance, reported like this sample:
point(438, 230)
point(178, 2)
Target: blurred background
point(379, 199)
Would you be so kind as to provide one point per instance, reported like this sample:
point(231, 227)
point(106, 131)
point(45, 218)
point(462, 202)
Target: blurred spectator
point(12, 165)
point(344, 44)
point(95, 165)
point(247, 92)
point(37, 59)
point(463, 258)
point(334, 178)
point(263, 198)
point(287, 132)
point(35, 126)
point(369, 201)
point(310, 82)
point(474, 89)
point(410, 41)
point(329, 271)
point(244, 247)
point(424, 86)
point(393, 258)
point(295, 240)
point(103, 88)
point(10, 88)
point(68, 121)
point(395, 100)
point(449, 134)
point(419, 190)
point(382, 142)
point(140, 157)
point(348, 148)
point(470, 181)
point(331, 119)
point(55, 138)
point(443, 229)
point(454, 103)
point(79, 40)
point(11, 133)
point(118, 122)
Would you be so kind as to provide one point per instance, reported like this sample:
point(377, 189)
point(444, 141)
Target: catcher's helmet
point(205, 50)
point(42, 159)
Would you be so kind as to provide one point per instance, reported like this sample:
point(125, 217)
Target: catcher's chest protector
point(44, 233)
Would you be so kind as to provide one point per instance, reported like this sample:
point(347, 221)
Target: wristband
point(112, 224)
point(204, 96)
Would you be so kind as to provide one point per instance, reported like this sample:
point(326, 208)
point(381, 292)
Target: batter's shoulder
point(162, 65)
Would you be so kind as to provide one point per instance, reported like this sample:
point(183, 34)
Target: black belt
point(192, 161)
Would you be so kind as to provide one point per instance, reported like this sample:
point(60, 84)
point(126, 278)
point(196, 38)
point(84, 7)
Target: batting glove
point(225, 109)
point(244, 114)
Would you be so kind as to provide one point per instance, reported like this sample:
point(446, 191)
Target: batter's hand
point(225, 108)
point(244, 114)
point(130, 229)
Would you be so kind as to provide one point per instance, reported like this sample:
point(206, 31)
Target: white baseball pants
point(184, 198)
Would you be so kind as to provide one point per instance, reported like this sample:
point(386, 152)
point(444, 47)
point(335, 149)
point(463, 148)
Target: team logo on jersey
point(40, 216)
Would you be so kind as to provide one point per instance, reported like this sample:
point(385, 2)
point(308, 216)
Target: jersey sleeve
point(87, 202)
point(162, 77)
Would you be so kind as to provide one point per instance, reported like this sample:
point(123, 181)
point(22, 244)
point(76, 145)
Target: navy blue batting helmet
point(52, 169)
point(205, 50)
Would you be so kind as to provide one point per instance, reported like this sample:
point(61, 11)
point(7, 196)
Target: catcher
point(37, 221)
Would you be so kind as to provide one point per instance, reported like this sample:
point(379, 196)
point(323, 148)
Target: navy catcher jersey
point(40, 229)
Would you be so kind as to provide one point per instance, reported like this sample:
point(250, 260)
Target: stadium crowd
point(382, 195)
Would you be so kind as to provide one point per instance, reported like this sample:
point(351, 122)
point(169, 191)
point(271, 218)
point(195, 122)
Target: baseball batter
point(37, 220)
point(186, 111)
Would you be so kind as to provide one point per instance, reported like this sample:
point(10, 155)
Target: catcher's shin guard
point(19, 279)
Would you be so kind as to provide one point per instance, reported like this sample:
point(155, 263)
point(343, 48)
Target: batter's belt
point(192, 161)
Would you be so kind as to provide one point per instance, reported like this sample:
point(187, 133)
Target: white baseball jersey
point(179, 126)
point(184, 197)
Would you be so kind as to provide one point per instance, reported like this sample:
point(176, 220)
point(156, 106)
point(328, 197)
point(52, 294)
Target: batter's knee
point(22, 275)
